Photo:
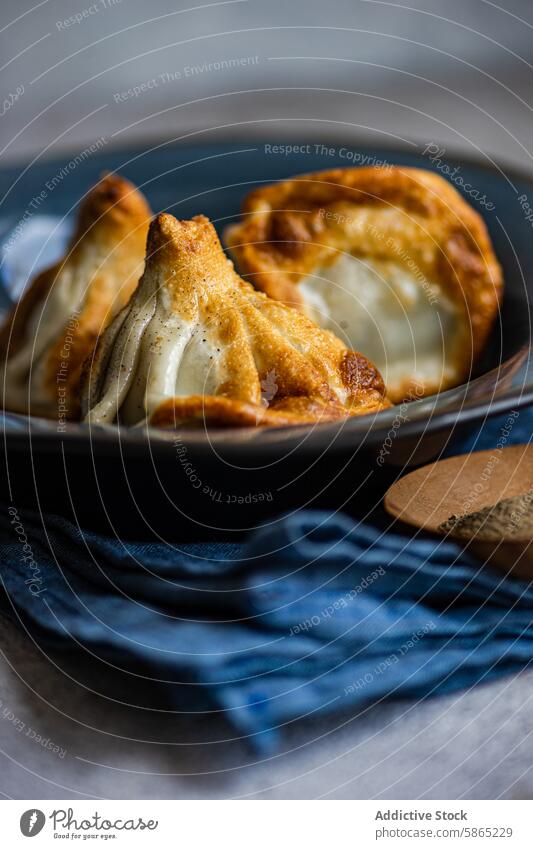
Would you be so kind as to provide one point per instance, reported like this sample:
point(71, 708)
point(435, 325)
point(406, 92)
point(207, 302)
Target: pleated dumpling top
point(197, 343)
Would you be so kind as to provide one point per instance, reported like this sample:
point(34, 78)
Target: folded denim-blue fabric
point(319, 614)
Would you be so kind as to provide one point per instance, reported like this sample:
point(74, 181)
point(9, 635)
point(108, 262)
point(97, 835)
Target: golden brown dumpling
point(49, 334)
point(197, 342)
point(391, 259)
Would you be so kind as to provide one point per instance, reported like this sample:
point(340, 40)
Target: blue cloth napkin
point(319, 613)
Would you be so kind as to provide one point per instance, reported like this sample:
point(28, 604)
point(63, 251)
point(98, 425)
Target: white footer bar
point(267, 824)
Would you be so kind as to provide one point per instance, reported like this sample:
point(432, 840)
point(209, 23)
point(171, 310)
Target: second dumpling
point(392, 260)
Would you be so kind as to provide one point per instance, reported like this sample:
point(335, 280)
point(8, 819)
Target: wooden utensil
point(464, 484)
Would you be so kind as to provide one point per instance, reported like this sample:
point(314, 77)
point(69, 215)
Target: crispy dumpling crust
point(291, 228)
point(84, 291)
point(196, 343)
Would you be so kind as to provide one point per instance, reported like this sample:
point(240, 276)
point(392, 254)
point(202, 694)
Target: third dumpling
point(50, 332)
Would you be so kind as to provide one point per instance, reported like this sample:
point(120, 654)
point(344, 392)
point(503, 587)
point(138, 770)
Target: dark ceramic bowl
point(197, 483)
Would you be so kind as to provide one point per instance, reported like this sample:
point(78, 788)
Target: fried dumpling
point(53, 329)
point(198, 343)
point(392, 260)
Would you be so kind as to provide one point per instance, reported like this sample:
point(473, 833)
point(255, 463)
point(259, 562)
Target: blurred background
point(133, 73)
